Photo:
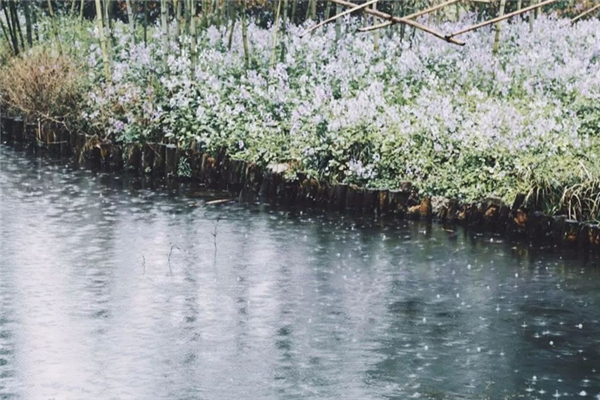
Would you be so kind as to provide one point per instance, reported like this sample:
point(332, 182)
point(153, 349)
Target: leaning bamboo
point(410, 16)
point(498, 19)
point(12, 34)
point(591, 10)
point(102, 40)
point(400, 20)
point(16, 23)
point(328, 20)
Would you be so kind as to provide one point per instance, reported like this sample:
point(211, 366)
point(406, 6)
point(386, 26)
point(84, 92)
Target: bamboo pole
point(230, 40)
point(410, 22)
point(7, 35)
point(498, 19)
point(16, 23)
point(532, 15)
point(294, 8)
point(102, 40)
point(12, 36)
point(275, 31)
point(164, 31)
point(375, 34)
point(245, 35)
point(145, 23)
point(193, 21)
point(130, 20)
point(410, 16)
point(328, 20)
point(591, 10)
point(81, 6)
point(28, 24)
point(498, 27)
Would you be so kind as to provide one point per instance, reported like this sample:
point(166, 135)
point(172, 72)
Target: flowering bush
point(455, 121)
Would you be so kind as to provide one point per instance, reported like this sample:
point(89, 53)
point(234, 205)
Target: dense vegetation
point(370, 108)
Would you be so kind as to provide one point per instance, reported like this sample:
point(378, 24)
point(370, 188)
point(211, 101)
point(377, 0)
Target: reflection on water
point(291, 305)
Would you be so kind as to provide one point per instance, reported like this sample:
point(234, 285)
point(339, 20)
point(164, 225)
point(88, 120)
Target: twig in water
point(144, 264)
point(214, 233)
point(169, 257)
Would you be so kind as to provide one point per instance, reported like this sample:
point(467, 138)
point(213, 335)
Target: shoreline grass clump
point(457, 122)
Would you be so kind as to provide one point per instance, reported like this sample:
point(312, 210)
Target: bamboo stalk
point(498, 19)
point(11, 34)
point(294, 8)
point(275, 31)
point(410, 22)
point(284, 29)
point(81, 6)
point(164, 30)
point(145, 23)
point(532, 16)
point(498, 27)
point(16, 23)
point(6, 34)
point(375, 34)
point(230, 40)
point(245, 35)
point(130, 20)
point(328, 20)
point(177, 7)
point(591, 10)
point(28, 24)
point(102, 40)
point(193, 21)
point(410, 16)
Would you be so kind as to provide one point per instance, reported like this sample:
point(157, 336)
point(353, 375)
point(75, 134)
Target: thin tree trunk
point(11, 31)
point(9, 36)
point(131, 21)
point(81, 7)
point(284, 29)
point(275, 31)
point(102, 40)
point(34, 20)
point(375, 33)
point(72, 12)
point(16, 23)
point(294, 8)
point(29, 29)
point(177, 6)
point(245, 35)
point(188, 17)
point(498, 27)
point(165, 30)
point(193, 18)
point(532, 16)
point(145, 23)
point(230, 40)
point(313, 10)
point(338, 23)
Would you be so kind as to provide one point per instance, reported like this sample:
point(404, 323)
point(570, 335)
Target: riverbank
point(248, 182)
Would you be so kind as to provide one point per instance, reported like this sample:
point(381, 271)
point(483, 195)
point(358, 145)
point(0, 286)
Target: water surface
point(112, 291)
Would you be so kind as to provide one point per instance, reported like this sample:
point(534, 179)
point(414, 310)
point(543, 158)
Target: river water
point(112, 291)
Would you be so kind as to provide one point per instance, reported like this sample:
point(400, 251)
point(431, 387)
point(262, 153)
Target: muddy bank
point(167, 162)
